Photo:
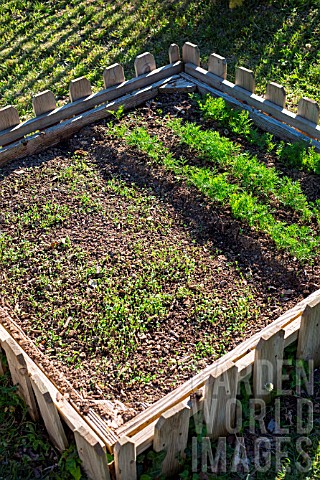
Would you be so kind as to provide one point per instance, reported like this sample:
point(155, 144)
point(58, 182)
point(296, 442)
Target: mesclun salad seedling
point(300, 240)
point(237, 121)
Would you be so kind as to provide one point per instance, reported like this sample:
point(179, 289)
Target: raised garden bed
point(144, 248)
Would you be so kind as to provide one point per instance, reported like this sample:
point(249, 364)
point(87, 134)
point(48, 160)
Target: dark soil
point(187, 252)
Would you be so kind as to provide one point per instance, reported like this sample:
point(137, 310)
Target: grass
point(47, 44)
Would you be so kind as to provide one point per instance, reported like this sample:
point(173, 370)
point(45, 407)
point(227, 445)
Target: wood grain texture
point(49, 413)
point(79, 88)
point(125, 459)
point(267, 364)
point(83, 105)
point(217, 65)
point(245, 79)
point(191, 54)
point(174, 53)
point(144, 63)
point(43, 102)
point(19, 374)
point(184, 391)
point(63, 130)
point(219, 396)
point(179, 85)
point(276, 94)
point(71, 416)
point(92, 455)
point(308, 109)
point(113, 75)
point(309, 333)
point(171, 435)
point(253, 100)
point(9, 117)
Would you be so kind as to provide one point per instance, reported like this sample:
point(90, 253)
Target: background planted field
point(46, 44)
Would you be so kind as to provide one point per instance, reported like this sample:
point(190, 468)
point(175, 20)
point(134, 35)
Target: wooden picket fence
point(51, 125)
point(164, 425)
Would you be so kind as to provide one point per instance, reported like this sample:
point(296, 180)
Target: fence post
point(79, 88)
point(43, 102)
point(125, 459)
point(309, 333)
point(9, 117)
point(191, 54)
point(308, 109)
point(174, 53)
point(218, 65)
point(219, 399)
point(267, 364)
point(19, 374)
point(113, 75)
point(92, 455)
point(171, 435)
point(144, 63)
point(49, 413)
point(245, 79)
point(276, 94)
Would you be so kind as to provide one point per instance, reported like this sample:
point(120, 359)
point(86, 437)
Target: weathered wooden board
point(92, 455)
point(49, 413)
point(253, 100)
point(9, 117)
point(217, 65)
point(171, 436)
point(80, 106)
point(276, 94)
point(79, 88)
point(19, 373)
point(125, 456)
point(113, 75)
point(63, 130)
point(309, 333)
point(43, 102)
point(144, 63)
point(267, 365)
point(219, 399)
point(191, 54)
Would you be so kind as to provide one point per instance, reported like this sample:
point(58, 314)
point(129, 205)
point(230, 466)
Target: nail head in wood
point(191, 53)
point(276, 94)
point(174, 53)
point(43, 102)
point(125, 456)
point(217, 65)
point(113, 75)
point(79, 88)
point(309, 333)
point(144, 63)
point(308, 109)
point(171, 435)
point(245, 79)
point(9, 117)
